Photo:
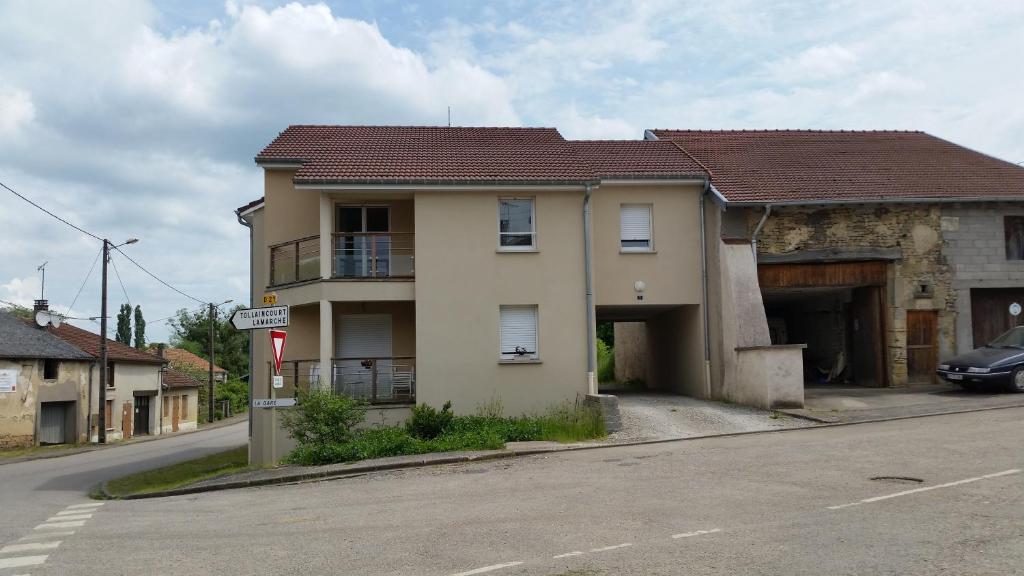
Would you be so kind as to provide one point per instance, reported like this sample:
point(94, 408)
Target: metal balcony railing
point(373, 255)
point(295, 261)
point(297, 375)
point(384, 380)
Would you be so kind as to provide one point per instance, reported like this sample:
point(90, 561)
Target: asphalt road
point(31, 492)
point(791, 502)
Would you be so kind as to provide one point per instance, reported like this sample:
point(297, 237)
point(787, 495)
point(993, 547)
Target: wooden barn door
point(868, 337)
point(176, 414)
point(922, 345)
point(126, 420)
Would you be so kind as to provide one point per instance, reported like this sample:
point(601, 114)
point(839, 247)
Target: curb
point(498, 455)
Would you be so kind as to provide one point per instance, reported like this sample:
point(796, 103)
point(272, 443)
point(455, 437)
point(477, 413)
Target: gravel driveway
point(649, 416)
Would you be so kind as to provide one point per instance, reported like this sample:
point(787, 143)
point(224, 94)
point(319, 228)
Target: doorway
point(922, 346)
point(175, 413)
point(54, 425)
point(362, 245)
point(141, 427)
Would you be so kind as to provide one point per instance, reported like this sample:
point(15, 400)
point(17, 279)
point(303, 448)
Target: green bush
point(235, 391)
point(427, 423)
point(570, 423)
point(605, 362)
point(321, 417)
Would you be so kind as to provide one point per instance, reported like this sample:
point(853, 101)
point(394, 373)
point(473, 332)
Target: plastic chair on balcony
point(402, 378)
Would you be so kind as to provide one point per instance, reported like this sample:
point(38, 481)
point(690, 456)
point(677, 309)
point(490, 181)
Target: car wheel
point(1017, 379)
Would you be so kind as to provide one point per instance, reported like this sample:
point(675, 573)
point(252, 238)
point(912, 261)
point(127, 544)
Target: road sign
point(1015, 309)
point(277, 338)
point(273, 402)
point(270, 299)
point(277, 382)
point(259, 318)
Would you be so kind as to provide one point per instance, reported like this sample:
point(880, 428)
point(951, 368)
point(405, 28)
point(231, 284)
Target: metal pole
point(102, 424)
point(213, 311)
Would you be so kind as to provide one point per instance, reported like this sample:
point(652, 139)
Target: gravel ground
point(647, 416)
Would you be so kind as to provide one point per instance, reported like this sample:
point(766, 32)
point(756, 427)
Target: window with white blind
point(519, 332)
point(516, 228)
point(635, 228)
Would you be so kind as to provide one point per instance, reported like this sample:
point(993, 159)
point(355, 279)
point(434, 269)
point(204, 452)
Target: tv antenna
point(42, 289)
point(449, 116)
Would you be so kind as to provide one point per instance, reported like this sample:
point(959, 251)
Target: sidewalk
point(850, 404)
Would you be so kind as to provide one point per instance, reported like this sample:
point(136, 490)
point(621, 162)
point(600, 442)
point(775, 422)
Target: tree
point(191, 330)
point(140, 329)
point(124, 325)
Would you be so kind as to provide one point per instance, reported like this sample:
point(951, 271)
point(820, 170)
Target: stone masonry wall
point(916, 229)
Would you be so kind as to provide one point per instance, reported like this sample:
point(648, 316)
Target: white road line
point(19, 561)
point(488, 568)
point(925, 489)
point(29, 547)
point(696, 533)
point(49, 525)
point(47, 535)
point(68, 518)
point(73, 512)
point(568, 554)
point(615, 547)
point(90, 505)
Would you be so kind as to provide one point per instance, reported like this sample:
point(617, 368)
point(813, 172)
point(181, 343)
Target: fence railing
point(295, 261)
point(383, 380)
point(373, 255)
point(297, 375)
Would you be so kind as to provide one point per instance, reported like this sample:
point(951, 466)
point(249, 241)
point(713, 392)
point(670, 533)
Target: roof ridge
point(422, 126)
point(711, 174)
point(792, 130)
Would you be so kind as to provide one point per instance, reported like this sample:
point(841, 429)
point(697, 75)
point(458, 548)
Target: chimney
point(160, 350)
point(40, 305)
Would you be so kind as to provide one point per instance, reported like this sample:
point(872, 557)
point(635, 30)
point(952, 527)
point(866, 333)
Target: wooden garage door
point(990, 312)
point(922, 345)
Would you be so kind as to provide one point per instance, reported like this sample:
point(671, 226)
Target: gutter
point(247, 224)
point(704, 288)
point(588, 273)
point(753, 237)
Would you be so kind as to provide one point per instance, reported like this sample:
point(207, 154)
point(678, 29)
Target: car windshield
point(1014, 338)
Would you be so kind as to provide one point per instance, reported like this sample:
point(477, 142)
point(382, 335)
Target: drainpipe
point(753, 237)
point(588, 272)
point(248, 225)
point(704, 288)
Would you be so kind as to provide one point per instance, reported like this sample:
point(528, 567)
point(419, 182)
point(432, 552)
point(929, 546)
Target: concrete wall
point(675, 348)
point(768, 377)
point(975, 247)
point(914, 229)
point(630, 351)
point(19, 410)
point(672, 270)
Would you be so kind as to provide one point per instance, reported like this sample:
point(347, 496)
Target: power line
point(157, 278)
point(121, 282)
point(79, 293)
point(11, 190)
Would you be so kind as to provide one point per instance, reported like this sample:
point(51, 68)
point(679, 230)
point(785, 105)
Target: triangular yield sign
point(277, 338)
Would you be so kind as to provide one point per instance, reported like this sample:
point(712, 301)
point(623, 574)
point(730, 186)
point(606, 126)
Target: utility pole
point(213, 311)
point(102, 424)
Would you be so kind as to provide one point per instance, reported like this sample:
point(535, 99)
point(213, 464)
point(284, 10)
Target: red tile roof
point(762, 166)
point(637, 159)
point(181, 357)
point(174, 379)
point(89, 343)
point(427, 155)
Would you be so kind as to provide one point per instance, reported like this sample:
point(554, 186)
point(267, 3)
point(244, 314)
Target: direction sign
point(273, 402)
point(259, 318)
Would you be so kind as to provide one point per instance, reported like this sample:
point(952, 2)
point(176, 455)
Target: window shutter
point(518, 328)
point(635, 225)
point(364, 336)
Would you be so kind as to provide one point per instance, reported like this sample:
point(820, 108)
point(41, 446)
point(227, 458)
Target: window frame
point(1013, 223)
point(110, 375)
point(534, 357)
point(650, 228)
point(532, 247)
point(108, 415)
point(48, 365)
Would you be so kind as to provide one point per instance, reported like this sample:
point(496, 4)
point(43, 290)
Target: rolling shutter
point(364, 336)
point(635, 226)
point(518, 329)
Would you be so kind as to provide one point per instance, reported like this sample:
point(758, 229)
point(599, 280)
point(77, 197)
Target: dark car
point(999, 362)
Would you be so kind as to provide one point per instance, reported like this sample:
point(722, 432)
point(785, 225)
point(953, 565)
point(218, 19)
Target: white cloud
point(814, 63)
point(16, 111)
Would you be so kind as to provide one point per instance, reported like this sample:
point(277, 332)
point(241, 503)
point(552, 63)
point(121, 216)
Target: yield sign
point(277, 343)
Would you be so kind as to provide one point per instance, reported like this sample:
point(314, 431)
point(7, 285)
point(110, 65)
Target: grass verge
point(40, 450)
point(178, 475)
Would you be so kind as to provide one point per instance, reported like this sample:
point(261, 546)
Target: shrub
point(569, 423)
point(237, 392)
point(427, 423)
point(322, 417)
point(605, 362)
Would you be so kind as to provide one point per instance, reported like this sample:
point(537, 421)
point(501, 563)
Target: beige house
point(44, 385)
point(179, 404)
point(471, 265)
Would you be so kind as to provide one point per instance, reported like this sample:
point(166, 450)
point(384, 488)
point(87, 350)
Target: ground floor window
point(518, 332)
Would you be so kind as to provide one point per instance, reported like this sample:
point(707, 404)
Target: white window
point(635, 228)
point(516, 224)
point(518, 332)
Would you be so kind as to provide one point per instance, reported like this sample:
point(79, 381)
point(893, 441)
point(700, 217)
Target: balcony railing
point(384, 380)
point(373, 255)
point(295, 261)
point(297, 375)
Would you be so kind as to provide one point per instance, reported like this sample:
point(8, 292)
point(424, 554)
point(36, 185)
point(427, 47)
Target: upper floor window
point(110, 375)
point(635, 228)
point(516, 224)
point(51, 368)
point(518, 332)
point(1013, 227)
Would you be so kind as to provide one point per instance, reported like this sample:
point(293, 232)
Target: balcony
point(383, 380)
point(295, 261)
point(373, 255)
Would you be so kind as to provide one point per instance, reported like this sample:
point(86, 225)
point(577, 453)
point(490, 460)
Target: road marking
point(47, 535)
point(47, 526)
point(90, 505)
point(696, 533)
point(29, 547)
point(568, 554)
point(19, 561)
point(67, 518)
point(78, 511)
point(925, 489)
point(615, 547)
point(488, 568)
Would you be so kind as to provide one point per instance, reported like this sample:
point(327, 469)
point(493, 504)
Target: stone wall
point(921, 279)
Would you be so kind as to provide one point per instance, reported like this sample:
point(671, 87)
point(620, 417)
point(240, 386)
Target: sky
point(141, 119)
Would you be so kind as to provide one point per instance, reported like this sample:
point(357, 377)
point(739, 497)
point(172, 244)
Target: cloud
point(813, 64)
point(16, 111)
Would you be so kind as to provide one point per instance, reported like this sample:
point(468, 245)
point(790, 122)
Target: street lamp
point(213, 316)
point(102, 415)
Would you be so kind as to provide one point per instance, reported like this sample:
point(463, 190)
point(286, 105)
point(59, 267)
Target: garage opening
point(56, 423)
point(652, 347)
point(837, 310)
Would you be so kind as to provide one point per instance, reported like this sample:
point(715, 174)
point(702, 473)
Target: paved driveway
point(858, 403)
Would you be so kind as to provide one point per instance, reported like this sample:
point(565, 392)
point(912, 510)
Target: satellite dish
point(56, 319)
point(42, 318)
